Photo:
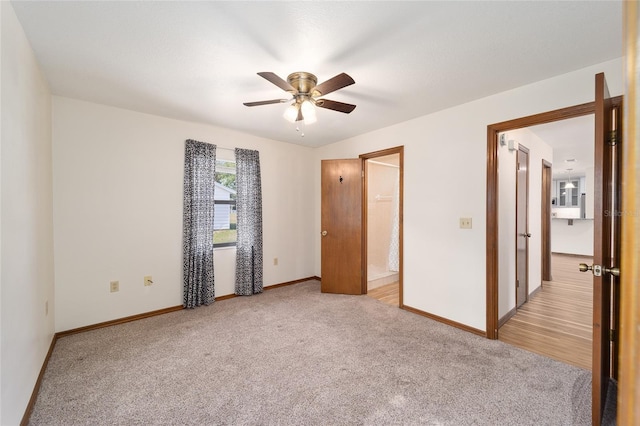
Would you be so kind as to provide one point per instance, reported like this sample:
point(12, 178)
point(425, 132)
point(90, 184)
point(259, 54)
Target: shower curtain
point(394, 243)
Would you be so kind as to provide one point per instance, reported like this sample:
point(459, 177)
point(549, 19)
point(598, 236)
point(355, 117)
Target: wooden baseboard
point(445, 321)
point(572, 254)
point(273, 286)
point(502, 321)
point(119, 321)
point(36, 387)
point(534, 292)
point(225, 297)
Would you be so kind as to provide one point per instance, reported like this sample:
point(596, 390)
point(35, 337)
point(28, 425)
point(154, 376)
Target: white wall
point(445, 179)
point(572, 239)
point(589, 183)
point(507, 226)
point(118, 185)
point(538, 151)
point(27, 281)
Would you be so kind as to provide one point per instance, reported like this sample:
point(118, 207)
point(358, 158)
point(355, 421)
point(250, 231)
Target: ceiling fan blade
point(335, 105)
point(284, 85)
point(258, 103)
point(333, 84)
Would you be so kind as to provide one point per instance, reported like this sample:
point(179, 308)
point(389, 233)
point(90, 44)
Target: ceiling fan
point(305, 91)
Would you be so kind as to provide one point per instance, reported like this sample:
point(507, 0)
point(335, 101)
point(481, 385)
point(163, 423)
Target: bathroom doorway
point(383, 219)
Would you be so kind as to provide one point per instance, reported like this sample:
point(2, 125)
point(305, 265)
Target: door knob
point(613, 271)
point(598, 270)
point(526, 234)
point(324, 233)
point(584, 267)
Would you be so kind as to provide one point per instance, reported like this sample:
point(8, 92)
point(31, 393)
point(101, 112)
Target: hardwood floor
point(557, 321)
point(388, 293)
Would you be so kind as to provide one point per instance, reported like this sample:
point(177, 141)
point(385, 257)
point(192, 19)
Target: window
point(569, 196)
point(225, 216)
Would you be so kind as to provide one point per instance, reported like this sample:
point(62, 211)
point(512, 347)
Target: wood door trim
point(444, 320)
point(381, 153)
point(492, 197)
point(545, 220)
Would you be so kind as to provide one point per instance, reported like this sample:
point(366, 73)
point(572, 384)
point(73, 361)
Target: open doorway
point(556, 321)
point(383, 218)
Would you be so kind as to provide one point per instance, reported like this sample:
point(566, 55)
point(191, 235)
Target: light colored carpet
point(294, 356)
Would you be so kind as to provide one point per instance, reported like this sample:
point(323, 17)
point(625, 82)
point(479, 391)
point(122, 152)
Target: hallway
point(557, 321)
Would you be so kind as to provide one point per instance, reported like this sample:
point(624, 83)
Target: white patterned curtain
point(249, 211)
point(394, 244)
point(197, 236)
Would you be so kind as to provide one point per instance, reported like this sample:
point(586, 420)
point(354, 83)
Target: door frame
point(492, 240)
point(526, 151)
point(545, 220)
point(368, 156)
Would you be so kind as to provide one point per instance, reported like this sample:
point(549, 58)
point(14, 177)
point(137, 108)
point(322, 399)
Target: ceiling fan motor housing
point(303, 82)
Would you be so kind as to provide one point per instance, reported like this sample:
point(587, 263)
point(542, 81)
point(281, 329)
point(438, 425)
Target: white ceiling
point(571, 139)
point(197, 61)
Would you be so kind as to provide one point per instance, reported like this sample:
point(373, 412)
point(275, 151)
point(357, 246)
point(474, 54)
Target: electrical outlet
point(147, 280)
point(46, 308)
point(114, 286)
point(275, 261)
point(465, 223)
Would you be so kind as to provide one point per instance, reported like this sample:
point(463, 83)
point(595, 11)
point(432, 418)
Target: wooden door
point(341, 223)
point(606, 243)
point(522, 227)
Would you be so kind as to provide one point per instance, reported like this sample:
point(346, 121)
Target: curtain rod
point(233, 149)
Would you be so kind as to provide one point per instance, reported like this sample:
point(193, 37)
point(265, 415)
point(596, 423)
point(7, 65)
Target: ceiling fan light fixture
point(291, 113)
point(308, 112)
